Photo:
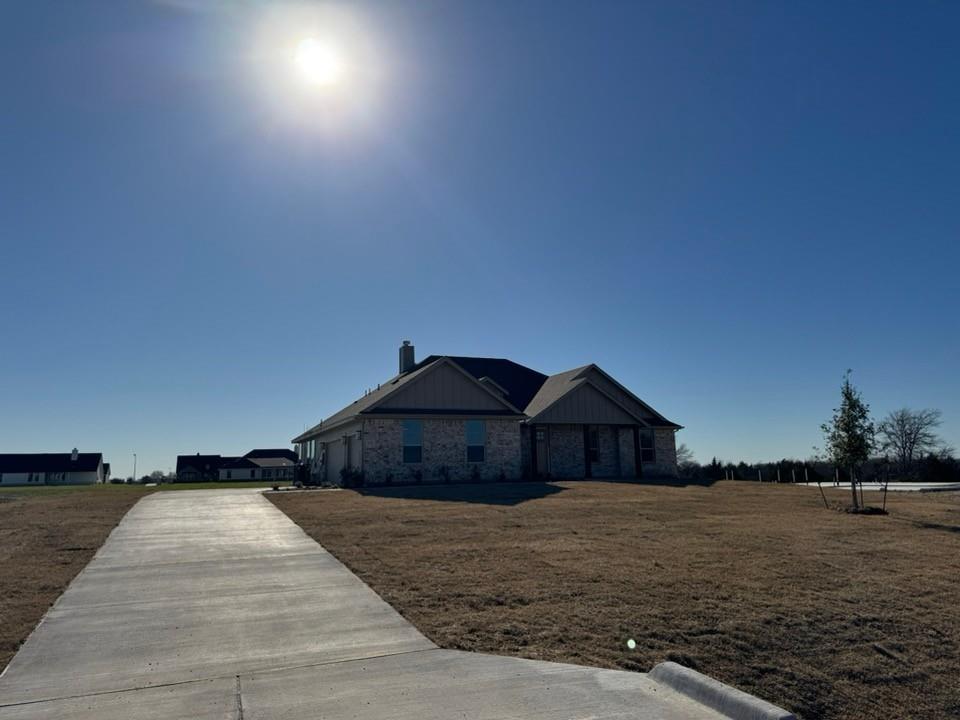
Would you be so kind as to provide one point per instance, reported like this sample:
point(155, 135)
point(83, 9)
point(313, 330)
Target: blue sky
point(723, 204)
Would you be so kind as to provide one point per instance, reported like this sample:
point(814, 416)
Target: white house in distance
point(72, 468)
point(261, 464)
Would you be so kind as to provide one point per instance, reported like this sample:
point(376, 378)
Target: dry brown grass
point(828, 614)
point(47, 536)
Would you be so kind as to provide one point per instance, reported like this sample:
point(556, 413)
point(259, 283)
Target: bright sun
point(318, 63)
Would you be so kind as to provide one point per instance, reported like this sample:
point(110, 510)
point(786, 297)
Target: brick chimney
point(406, 357)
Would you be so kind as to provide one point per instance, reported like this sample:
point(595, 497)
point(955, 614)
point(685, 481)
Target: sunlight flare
point(318, 63)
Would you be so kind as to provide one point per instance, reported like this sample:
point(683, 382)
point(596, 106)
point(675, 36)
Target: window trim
point(648, 446)
point(411, 454)
point(482, 424)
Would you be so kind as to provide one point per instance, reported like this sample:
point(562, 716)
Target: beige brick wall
point(444, 446)
point(665, 450)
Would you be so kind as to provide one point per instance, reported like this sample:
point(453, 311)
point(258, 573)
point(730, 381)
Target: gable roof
point(198, 462)
point(553, 388)
point(519, 382)
point(370, 400)
point(525, 390)
point(558, 386)
point(49, 462)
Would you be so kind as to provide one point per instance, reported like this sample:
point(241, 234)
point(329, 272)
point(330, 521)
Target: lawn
point(47, 536)
point(828, 614)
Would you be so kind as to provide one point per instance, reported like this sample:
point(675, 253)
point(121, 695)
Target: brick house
point(466, 418)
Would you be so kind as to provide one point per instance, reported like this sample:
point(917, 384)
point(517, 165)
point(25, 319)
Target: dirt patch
point(828, 614)
point(47, 536)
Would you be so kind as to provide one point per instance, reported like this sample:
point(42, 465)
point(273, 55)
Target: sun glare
point(318, 63)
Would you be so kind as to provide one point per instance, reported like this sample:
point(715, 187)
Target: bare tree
point(685, 461)
point(909, 435)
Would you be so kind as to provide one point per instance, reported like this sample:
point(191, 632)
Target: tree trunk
point(853, 489)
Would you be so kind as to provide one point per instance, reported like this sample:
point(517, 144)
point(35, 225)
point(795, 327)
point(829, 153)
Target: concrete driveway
point(213, 604)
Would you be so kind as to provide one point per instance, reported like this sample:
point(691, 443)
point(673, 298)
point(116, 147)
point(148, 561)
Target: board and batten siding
point(445, 388)
point(586, 405)
point(614, 391)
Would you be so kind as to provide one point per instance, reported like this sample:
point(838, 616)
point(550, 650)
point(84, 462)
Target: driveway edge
point(733, 703)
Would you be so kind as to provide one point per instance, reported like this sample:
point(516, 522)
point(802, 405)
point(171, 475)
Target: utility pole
point(134, 467)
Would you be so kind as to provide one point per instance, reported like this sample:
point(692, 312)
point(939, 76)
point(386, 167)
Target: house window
point(229, 474)
point(647, 453)
point(253, 473)
point(267, 473)
point(412, 441)
point(594, 444)
point(476, 431)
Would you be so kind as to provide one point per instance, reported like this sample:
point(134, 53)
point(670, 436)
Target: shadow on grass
point(667, 481)
point(938, 526)
point(483, 494)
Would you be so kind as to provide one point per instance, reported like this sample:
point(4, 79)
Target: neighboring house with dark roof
point(198, 468)
point(72, 468)
point(259, 464)
point(450, 418)
point(267, 465)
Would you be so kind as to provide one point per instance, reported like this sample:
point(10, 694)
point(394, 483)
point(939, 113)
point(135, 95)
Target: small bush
point(351, 478)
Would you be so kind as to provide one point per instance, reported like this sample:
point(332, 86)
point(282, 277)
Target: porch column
point(534, 471)
point(636, 451)
point(586, 452)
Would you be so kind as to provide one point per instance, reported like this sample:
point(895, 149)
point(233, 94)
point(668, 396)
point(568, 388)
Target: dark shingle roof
point(520, 382)
point(49, 462)
point(232, 463)
point(526, 389)
point(272, 453)
point(368, 400)
point(198, 462)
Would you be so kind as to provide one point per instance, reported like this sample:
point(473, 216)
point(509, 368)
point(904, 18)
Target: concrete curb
point(725, 699)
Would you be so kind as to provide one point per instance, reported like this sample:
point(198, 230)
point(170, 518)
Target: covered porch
point(591, 450)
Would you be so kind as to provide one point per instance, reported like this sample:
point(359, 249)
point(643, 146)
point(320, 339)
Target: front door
point(543, 451)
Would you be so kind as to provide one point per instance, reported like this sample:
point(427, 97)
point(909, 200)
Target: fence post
point(759, 475)
point(778, 473)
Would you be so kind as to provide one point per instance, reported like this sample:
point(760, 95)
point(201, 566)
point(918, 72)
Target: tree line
point(903, 446)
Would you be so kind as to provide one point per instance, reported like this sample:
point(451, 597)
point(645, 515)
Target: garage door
point(335, 459)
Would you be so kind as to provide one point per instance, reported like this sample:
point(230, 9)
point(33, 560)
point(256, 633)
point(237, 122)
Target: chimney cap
point(406, 342)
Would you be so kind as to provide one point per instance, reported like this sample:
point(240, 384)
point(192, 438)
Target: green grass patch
point(218, 485)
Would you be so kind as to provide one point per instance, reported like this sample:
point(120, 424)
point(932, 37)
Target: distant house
point(198, 468)
point(259, 464)
point(273, 464)
point(72, 468)
point(449, 418)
